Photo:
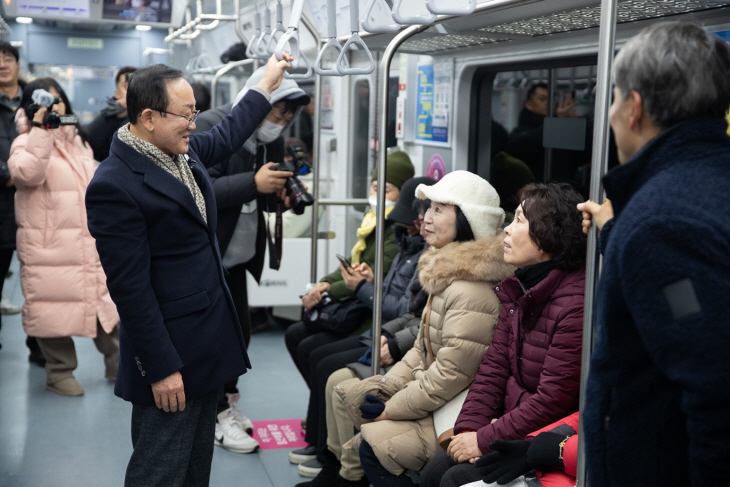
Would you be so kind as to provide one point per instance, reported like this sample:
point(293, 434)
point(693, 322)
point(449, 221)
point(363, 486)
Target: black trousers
point(301, 343)
point(442, 471)
point(172, 449)
point(323, 362)
point(236, 280)
point(376, 473)
point(6, 256)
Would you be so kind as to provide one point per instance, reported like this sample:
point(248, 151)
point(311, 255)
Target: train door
point(533, 123)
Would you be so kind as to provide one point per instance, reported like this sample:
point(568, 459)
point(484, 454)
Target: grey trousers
point(60, 354)
point(173, 449)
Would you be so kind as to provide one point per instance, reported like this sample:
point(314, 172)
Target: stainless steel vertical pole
point(601, 137)
point(384, 74)
point(316, 166)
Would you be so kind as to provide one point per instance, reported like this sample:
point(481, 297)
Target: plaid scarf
point(176, 165)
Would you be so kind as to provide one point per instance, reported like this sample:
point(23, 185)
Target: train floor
point(85, 441)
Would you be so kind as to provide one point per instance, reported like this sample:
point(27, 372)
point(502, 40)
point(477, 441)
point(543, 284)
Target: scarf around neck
point(176, 165)
point(366, 228)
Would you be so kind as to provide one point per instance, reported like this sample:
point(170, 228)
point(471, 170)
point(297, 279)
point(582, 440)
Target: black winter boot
point(363, 482)
point(328, 476)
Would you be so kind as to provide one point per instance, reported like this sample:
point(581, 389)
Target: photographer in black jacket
point(245, 186)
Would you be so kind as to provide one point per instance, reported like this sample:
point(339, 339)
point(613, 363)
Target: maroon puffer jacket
point(530, 375)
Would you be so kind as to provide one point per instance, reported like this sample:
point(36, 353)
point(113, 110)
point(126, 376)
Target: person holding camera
point(245, 185)
point(62, 280)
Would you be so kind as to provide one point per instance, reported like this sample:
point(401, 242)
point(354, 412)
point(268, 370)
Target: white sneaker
point(8, 308)
point(238, 414)
point(230, 435)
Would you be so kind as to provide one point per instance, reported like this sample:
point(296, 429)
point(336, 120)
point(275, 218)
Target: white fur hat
point(476, 198)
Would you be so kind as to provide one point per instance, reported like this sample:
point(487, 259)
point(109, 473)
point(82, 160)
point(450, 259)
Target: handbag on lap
point(340, 317)
point(444, 418)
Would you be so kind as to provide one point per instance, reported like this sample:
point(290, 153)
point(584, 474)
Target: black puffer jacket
point(395, 284)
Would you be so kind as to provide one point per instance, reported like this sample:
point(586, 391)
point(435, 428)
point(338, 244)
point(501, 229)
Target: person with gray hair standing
point(656, 410)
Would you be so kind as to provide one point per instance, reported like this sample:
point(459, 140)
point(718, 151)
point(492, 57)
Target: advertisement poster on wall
point(433, 101)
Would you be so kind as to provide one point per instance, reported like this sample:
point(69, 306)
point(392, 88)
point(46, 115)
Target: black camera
point(299, 198)
point(51, 120)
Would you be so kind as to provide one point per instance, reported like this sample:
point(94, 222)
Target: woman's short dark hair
point(26, 101)
point(555, 222)
point(148, 89)
point(463, 229)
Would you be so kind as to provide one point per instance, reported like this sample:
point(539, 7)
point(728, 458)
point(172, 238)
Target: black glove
point(373, 408)
point(545, 451)
point(507, 462)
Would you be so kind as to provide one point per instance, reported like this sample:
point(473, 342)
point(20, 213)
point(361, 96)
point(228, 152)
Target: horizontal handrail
point(344, 202)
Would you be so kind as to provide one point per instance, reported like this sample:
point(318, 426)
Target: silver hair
point(680, 71)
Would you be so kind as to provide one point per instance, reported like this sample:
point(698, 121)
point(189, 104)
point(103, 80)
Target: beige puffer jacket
point(464, 312)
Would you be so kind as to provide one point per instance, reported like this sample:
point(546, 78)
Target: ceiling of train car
point(557, 22)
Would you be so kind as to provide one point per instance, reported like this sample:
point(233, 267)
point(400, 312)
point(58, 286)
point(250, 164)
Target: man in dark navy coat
point(152, 211)
point(657, 409)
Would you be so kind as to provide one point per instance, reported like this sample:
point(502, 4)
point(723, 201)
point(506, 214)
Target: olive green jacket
point(337, 289)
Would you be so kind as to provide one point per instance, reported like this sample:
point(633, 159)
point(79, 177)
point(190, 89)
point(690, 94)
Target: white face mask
point(268, 132)
point(373, 202)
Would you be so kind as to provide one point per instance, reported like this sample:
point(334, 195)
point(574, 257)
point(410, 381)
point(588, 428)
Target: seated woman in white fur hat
point(464, 262)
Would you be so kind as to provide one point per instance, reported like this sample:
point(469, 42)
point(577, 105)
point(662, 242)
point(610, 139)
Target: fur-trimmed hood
point(478, 260)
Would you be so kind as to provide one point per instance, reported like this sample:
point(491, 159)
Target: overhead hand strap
point(278, 31)
point(451, 7)
point(332, 43)
point(260, 47)
point(306, 65)
point(378, 18)
point(353, 41)
point(250, 53)
point(290, 37)
point(412, 19)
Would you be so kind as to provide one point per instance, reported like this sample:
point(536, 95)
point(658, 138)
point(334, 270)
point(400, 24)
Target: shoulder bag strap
point(428, 327)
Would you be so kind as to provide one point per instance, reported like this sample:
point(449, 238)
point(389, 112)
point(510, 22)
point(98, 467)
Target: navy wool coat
point(163, 264)
point(657, 406)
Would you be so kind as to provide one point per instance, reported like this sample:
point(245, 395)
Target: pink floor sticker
point(284, 433)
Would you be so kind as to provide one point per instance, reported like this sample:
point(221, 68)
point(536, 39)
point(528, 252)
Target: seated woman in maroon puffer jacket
point(530, 375)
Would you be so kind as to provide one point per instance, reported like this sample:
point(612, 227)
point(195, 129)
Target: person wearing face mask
point(245, 186)
point(114, 115)
point(300, 340)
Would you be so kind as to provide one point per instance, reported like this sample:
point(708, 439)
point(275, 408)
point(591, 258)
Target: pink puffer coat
point(60, 274)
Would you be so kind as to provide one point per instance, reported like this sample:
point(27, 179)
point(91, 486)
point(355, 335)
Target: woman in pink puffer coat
point(60, 274)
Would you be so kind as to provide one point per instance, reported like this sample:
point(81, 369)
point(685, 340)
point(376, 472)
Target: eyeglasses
point(418, 223)
point(190, 119)
point(8, 60)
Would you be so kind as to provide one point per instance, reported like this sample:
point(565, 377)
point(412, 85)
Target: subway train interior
point(445, 81)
